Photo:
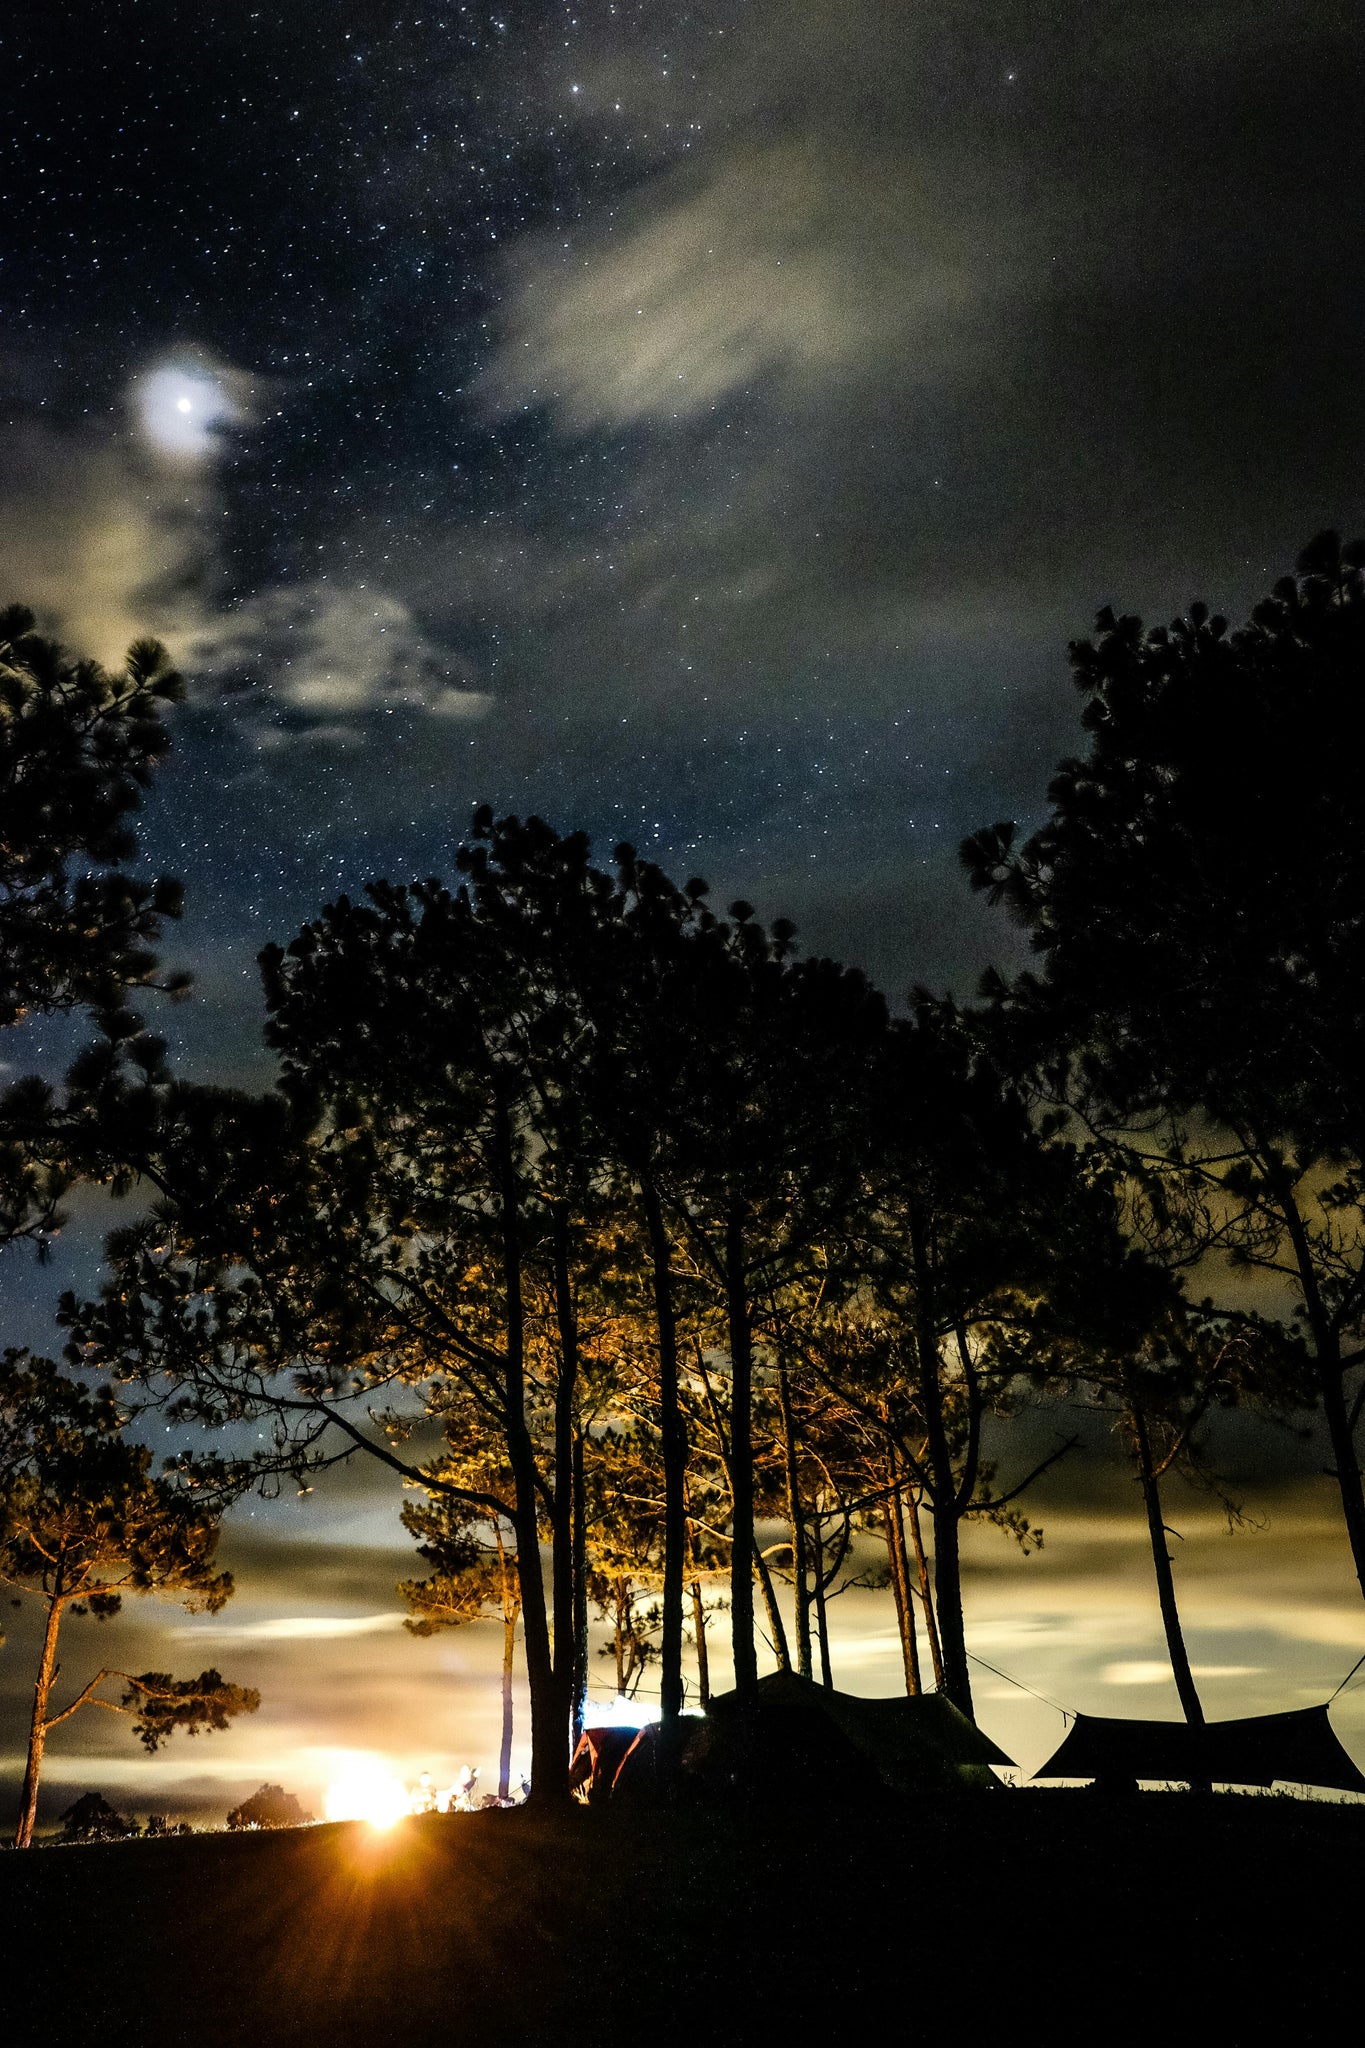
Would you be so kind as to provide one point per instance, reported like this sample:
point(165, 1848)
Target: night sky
point(705, 425)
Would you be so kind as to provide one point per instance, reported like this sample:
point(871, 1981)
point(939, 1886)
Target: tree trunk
point(549, 1705)
point(509, 1648)
point(821, 1614)
point(897, 1591)
point(945, 1504)
point(562, 1513)
point(926, 1593)
point(699, 1625)
point(37, 1734)
point(1345, 1461)
point(957, 1682)
point(952, 1638)
point(1190, 1702)
point(797, 1519)
point(673, 1445)
point(741, 1457)
point(1331, 1389)
point(549, 1691)
point(899, 1565)
point(775, 1628)
point(578, 1705)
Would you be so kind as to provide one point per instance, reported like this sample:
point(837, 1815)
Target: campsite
point(682, 989)
point(825, 1859)
point(667, 1290)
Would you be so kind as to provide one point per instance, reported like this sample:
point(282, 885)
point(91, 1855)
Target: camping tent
point(597, 1761)
point(910, 1743)
point(1298, 1748)
point(800, 1739)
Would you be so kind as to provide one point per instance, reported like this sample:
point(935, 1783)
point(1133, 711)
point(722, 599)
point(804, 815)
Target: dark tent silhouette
point(801, 1741)
point(1298, 1748)
point(910, 1743)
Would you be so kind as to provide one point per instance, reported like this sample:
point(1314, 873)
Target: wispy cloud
point(785, 264)
point(289, 1628)
point(1157, 1671)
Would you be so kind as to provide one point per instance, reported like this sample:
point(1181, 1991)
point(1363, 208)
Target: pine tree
point(84, 1521)
point(78, 745)
point(1197, 902)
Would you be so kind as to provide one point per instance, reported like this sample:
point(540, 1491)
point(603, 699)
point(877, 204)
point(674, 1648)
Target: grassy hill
point(1033, 1917)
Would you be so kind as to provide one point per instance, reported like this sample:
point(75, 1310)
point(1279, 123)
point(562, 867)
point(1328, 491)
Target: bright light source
point(622, 1713)
point(367, 1791)
point(182, 406)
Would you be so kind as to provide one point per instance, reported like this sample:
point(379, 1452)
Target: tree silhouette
point(472, 1570)
point(436, 1031)
point(842, 1405)
point(608, 1188)
point(400, 1226)
point(424, 1217)
point(269, 1807)
point(1121, 1333)
point(92, 1819)
point(769, 1161)
point(77, 748)
point(633, 971)
point(964, 1187)
point(1197, 897)
point(84, 1521)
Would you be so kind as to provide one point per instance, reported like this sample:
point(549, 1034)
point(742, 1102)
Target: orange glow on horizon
point(367, 1790)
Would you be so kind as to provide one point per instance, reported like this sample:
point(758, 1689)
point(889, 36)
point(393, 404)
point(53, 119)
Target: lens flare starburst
point(365, 1789)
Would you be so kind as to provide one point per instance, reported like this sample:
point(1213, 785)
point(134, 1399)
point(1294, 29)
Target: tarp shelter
point(1298, 1748)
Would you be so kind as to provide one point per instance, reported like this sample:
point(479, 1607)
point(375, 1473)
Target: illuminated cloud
point(315, 660)
point(104, 551)
point(1157, 1671)
point(113, 538)
point(289, 1628)
point(787, 266)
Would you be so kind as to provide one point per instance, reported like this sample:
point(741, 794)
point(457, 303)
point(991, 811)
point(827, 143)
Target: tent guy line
point(1067, 1713)
point(1072, 1713)
point(1347, 1679)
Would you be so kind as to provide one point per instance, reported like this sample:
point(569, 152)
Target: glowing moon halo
point(180, 408)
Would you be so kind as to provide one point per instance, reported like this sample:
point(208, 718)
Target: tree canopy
point(693, 1259)
point(1197, 898)
point(78, 745)
point(84, 1522)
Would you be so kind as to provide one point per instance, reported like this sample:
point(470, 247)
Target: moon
point(182, 408)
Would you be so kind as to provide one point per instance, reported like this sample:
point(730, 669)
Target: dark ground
point(1059, 1916)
